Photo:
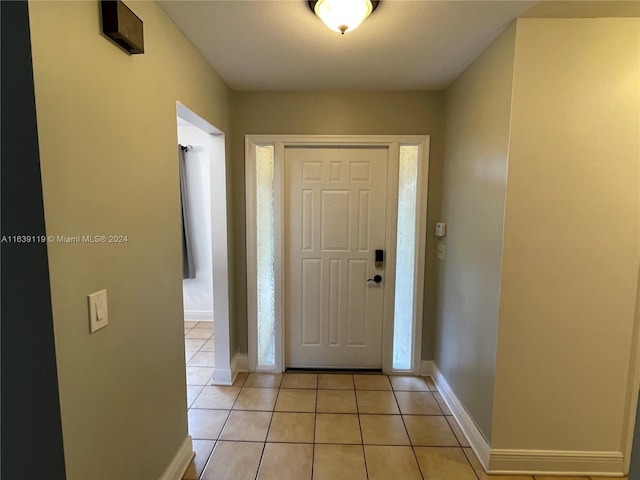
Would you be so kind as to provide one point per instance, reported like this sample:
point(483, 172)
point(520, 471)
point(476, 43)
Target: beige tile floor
point(199, 357)
point(303, 426)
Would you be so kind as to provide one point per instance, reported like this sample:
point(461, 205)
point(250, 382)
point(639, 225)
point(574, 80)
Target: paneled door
point(335, 201)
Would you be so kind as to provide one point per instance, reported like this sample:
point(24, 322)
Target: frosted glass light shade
point(343, 15)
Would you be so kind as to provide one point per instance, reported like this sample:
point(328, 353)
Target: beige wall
point(107, 131)
point(571, 242)
point(558, 302)
point(340, 113)
point(584, 9)
point(477, 109)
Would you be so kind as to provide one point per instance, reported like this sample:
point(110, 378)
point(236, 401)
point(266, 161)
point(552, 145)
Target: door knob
point(376, 279)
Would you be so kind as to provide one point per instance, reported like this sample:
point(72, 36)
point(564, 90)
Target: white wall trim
point(219, 246)
point(222, 376)
point(226, 376)
point(239, 363)
point(220, 253)
point(556, 462)
point(199, 315)
point(180, 462)
point(427, 367)
point(422, 191)
point(524, 462)
point(477, 441)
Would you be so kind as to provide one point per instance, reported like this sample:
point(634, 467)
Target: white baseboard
point(427, 367)
point(227, 376)
point(524, 462)
point(222, 376)
point(199, 315)
point(477, 441)
point(556, 462)
point(175, 470)
point(239, 363)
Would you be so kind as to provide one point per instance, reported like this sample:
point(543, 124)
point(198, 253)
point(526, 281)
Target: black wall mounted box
point(122, 26)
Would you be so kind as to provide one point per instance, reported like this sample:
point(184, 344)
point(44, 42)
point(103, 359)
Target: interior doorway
point(195, 149)
point(206, 295)
point(197, 284)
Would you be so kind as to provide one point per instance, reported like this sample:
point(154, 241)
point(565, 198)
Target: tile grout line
point(364, 455)
point(415, 456)
point(469, 460)
point(217, 440)
point(215, 443)
point(315, 419)
point(266, 435)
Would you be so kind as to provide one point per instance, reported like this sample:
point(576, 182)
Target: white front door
point(335, 201)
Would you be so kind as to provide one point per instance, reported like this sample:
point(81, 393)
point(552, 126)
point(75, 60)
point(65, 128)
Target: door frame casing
point(222, 373)
point(280, 143)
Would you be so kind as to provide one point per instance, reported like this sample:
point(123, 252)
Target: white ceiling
point(282, 45)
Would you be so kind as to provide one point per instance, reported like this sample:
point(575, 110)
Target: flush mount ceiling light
point(342, 15)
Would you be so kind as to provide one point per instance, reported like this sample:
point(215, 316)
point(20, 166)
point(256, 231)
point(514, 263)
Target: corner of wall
point(476, 136)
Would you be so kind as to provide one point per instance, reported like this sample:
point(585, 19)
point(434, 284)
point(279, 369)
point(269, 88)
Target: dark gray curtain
point(188, 267)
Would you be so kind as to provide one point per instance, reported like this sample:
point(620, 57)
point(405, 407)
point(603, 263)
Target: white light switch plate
point(441, 250)
point(98, 314)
